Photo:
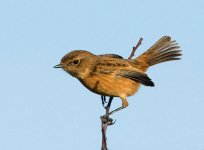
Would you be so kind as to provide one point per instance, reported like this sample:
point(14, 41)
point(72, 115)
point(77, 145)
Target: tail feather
point(169, 55)
point(160, 43)
point(163, 50)
point(166, 53)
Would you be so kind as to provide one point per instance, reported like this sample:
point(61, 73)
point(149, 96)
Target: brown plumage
point(111, 75)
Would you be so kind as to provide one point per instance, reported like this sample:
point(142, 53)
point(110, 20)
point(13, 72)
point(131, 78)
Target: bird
point(113, 76)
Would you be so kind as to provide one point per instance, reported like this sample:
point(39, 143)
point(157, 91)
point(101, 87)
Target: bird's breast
point(110, 85)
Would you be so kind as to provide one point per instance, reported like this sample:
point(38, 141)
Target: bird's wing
point(121, 68)
point(111, 56)
point(109, 65)
point(136, 75)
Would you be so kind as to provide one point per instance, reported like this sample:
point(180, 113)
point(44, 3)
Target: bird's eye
point(75, 62)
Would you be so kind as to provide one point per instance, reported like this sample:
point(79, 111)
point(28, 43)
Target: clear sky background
point(42, 108)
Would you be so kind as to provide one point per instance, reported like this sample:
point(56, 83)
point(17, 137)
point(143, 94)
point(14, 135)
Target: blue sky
point(44, 108)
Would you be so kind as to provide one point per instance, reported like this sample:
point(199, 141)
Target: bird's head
point(77, 63)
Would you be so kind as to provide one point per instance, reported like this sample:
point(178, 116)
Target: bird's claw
point(106, 119)
point(111, 122)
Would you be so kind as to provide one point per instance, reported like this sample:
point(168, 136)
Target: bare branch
point(106, 121)
point(135, 48)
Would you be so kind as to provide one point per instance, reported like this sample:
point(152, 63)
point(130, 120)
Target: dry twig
point(106, 121)
point(135, 48)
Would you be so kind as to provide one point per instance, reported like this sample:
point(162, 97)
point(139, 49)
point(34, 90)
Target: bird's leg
point(124, 105)
point(109, 103)
point(106, 118)
point(103, 99)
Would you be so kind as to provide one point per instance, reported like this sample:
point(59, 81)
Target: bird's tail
point(163, 50)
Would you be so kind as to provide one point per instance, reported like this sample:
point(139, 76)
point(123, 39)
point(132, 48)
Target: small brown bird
point(111, 75)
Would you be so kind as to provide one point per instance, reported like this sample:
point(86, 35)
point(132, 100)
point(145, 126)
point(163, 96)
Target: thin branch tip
point(135, 48)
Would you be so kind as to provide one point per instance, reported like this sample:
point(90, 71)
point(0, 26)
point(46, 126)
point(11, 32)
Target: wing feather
point(136, 76)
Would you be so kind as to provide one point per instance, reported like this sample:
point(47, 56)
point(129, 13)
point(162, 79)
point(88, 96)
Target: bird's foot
point(106, 119)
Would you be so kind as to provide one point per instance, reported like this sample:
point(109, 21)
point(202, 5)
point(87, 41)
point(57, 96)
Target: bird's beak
point(58, 66)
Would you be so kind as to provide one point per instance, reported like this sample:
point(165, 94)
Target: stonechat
point(112, 75)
